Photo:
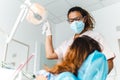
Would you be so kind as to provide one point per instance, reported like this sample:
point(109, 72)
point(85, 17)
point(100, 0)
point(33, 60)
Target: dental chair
point(95, 67)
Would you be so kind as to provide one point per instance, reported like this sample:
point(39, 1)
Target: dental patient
point(76, 55)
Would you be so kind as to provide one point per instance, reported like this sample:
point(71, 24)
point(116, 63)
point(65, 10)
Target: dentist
point(82, 24)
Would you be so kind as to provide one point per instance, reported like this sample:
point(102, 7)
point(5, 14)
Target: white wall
point(62, 33)
point(107, 19)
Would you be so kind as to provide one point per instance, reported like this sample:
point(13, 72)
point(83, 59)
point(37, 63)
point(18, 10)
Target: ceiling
point(57, 9)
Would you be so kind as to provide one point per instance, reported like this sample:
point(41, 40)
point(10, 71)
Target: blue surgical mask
point(77, 26)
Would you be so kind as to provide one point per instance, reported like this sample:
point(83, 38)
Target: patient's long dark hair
point(76, 54)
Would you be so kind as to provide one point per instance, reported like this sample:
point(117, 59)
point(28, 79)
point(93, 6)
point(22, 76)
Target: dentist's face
point(75, 16)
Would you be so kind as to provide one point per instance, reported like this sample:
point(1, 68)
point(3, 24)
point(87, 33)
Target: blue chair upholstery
point(95, 67)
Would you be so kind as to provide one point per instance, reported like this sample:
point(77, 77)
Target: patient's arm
point(110, 64)
point(41, 77)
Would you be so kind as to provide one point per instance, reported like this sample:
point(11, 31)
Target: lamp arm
point(24, 9)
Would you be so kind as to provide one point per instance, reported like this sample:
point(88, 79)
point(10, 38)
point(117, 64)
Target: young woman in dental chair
point(83, 61)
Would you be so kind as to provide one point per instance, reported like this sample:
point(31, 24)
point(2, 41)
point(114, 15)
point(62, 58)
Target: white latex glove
point(46, 29)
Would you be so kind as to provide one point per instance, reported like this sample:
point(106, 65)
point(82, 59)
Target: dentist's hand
point(46, 29)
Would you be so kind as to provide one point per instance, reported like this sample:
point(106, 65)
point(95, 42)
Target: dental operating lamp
point(35, 13)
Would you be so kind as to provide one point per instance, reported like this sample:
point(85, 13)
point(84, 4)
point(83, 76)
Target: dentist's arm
point(50, 53)
point(110, 64)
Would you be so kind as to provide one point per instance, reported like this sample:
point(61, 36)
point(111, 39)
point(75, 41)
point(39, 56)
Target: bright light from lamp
point(36, 14)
